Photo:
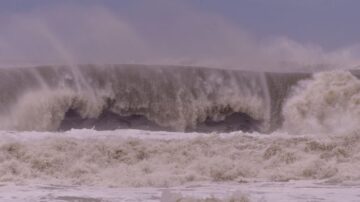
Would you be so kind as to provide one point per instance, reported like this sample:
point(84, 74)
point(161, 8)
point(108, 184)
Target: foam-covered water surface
point(143, 158)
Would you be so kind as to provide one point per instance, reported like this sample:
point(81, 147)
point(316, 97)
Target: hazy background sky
point(290, 31)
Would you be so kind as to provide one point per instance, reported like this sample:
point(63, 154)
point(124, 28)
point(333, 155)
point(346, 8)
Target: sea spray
point(328, 103)
point(172, 98)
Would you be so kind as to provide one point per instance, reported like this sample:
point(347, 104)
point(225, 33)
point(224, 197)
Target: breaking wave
point(52, 98)
point(177, 98)
point(328, 103)
point(321, 108)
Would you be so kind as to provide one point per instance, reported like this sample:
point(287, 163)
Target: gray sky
point(188, 30)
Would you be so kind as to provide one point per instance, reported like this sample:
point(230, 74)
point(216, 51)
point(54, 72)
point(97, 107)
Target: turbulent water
point(164, 126)
point(143, 97)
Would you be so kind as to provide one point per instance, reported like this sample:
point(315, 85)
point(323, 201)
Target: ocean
point(178, 133)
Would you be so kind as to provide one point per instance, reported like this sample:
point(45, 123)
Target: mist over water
point(173, 34)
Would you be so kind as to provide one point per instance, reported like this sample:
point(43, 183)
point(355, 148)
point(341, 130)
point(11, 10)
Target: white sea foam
point(329, 103)
point(120, 159)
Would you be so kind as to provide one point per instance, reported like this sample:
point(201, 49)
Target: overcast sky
point(192, 26)
point(330, 23)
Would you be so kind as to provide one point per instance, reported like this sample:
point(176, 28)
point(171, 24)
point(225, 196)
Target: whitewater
point(178, 133)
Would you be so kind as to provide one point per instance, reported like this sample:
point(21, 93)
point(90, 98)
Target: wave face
point(173, 98)
point(49, 98)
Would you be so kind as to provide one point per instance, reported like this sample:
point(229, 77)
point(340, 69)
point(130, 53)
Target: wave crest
point(329, 103)
point(178, 99)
